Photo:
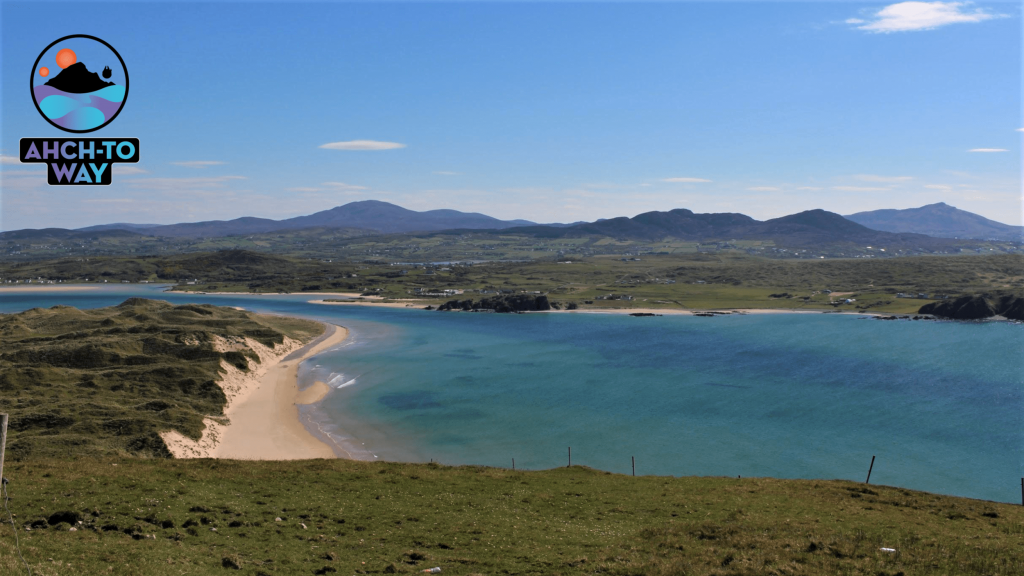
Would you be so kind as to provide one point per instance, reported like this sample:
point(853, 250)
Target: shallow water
point(784, 395)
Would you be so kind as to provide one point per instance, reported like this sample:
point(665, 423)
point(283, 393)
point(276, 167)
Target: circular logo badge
point(79, 83)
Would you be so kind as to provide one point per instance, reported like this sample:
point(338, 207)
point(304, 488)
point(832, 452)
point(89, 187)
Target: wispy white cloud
point(581, 193)
point(28, 171)
point(180, 184)
point(198, 163)
point(124, 170)
point(447, 173)
point(959, 173)
point(859, 188)
point(988, 150)
point(342, 186)
point(4, 159)
point(327, 188)
point(913, 16)
point(809, 188)
point(938, 187)
point(685, 180)
point(20, 180)
point(764, 189)
point(362, 145)
point(876, 178)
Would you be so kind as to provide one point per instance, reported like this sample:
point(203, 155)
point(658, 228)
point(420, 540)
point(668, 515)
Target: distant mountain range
point(805, 229)
point(940, 220)
point(118, 226)
point(33, 234)
point(889, 228)
point(370, 215)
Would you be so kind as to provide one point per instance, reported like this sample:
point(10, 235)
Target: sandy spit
point(402, 304)
point(261, 417)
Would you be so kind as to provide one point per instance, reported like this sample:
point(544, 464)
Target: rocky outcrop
point(505, 304)
point(1011, 307)
point(977, 308)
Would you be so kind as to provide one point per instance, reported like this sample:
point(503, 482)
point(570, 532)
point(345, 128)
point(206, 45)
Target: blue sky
point(543, 111)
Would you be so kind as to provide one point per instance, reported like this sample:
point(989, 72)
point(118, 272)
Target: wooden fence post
point(868, 481)
point(633, 460)
point(570, 457)
point(3, 441)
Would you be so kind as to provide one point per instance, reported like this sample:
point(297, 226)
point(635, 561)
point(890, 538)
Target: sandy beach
point(262, 419)
point(405, 304)
point(272, 294)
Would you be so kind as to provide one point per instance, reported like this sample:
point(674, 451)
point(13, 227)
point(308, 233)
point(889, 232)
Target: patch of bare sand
point(261, 419)
point(400, 304)
point(315, 393)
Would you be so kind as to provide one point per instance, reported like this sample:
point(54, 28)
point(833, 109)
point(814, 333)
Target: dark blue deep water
point(941, 404)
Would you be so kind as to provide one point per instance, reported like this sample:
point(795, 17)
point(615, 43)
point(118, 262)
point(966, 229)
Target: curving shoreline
point(262, 411)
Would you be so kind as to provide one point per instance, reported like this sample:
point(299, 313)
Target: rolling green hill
point(105, 381)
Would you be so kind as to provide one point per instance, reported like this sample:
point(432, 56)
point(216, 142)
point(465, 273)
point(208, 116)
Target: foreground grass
point(344, 517)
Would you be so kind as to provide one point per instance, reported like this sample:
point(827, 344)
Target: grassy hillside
point(103, 382)
point(785, 238)
point(694, 280)
point(143, 517)
point(245, 270)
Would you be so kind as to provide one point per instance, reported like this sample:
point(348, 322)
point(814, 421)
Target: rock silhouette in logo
point(107, 72)
point(76, 79)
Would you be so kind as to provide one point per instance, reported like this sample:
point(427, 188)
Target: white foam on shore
point(333, 382)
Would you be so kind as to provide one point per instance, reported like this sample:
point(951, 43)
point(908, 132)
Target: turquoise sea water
point(941, 404)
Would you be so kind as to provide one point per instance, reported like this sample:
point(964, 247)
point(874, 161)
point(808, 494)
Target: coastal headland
point(152, 379)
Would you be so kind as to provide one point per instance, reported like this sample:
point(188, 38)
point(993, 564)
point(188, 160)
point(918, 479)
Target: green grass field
point(143, 517)
point(694, 280)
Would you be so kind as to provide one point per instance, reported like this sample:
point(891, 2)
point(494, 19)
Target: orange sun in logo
point(66, 57)
point(44, 71)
